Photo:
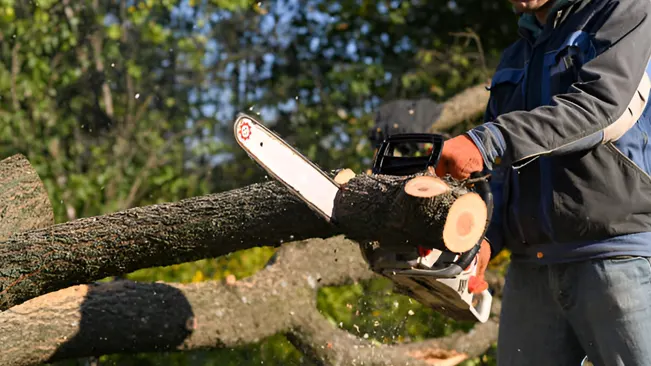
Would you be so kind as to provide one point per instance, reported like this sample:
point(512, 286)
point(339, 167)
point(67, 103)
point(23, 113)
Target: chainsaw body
point(438, 279)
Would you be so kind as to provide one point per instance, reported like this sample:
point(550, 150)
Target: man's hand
point(460, 157)
point(477, 283)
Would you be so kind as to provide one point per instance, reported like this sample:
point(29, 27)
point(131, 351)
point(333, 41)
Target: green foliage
point(241, 264)
point(373, 311)
point(123, 104)
point(274, 351)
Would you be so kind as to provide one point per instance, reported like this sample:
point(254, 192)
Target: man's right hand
point(460, 158)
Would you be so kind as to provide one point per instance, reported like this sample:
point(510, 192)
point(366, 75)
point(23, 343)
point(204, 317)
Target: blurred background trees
point(123, 103)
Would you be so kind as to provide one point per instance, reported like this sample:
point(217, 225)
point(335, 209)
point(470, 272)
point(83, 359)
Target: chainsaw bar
point(304, 178)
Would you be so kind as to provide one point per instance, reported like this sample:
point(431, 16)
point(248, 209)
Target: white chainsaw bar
point(448, 295)
point(287, 165)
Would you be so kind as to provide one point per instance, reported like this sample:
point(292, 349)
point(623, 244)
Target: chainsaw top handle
point(387, 163)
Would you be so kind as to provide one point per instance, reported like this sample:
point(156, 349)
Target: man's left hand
point(460, 157)
point(477, 283)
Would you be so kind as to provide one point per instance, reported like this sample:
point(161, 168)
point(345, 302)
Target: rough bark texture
point(24, 202)
point(464, 106)
point(39, 261)
point(126, 317)
point(376, 208)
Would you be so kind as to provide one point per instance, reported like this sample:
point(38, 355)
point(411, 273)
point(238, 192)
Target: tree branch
point(127, 317)
point(15, 69)
point(462, 107)
point(35, 262)
point(39, 261)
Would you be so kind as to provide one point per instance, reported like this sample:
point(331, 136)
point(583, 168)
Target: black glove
point(404, 116)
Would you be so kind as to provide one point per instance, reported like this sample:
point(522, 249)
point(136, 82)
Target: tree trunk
point(39, 261)
point(129, 317)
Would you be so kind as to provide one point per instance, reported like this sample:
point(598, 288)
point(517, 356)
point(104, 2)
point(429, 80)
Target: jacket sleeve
point(495, 232)
point(596, 109)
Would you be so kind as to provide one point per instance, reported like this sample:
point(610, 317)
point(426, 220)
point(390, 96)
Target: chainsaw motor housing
point(439, 279)
point(386, 162)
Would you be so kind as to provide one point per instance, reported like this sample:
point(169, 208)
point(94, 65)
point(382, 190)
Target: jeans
point(555, 315)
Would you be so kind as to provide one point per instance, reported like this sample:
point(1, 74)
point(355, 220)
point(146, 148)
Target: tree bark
point(24, 203)
point(128, 317)
point(39, 261)
point(382, 208)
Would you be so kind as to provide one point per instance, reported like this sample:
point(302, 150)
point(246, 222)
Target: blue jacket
point(566, 132)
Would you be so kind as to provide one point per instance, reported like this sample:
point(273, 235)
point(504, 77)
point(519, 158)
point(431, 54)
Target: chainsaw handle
point(451, 271)
point(385, 162)
point(465, 259)
point(482, 311)
point(481, 186)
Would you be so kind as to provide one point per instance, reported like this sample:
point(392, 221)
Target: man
point(565, 141)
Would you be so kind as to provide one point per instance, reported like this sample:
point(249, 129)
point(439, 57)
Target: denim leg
point(611, 310)
point(533, 329)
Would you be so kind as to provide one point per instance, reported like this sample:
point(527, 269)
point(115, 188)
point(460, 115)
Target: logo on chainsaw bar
point(245, 130)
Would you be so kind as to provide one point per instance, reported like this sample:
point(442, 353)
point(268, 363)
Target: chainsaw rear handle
point(481, 186)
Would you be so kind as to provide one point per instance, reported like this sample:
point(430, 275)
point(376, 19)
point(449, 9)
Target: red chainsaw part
point(423, 252)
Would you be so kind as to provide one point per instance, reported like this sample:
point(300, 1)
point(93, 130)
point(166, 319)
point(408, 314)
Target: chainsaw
point(437, 279)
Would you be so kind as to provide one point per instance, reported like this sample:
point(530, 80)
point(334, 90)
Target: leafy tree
point(127, 103)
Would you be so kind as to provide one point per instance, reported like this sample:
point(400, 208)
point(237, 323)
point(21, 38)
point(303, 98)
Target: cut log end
point(426, 186)
point(344, 176)
point(465, 223)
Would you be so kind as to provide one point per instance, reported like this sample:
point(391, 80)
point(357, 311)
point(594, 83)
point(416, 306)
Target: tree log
point(372, 207)
point(35, 262)
point(128, 317)
point(400, 212)
point(24, 202)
